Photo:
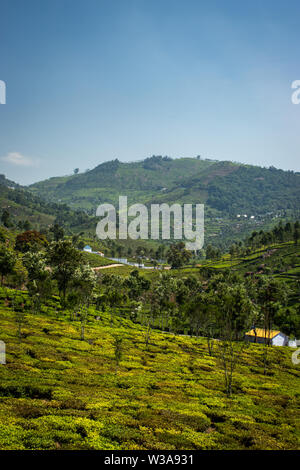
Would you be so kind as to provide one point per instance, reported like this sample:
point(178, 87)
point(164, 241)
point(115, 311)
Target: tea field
point(59, 392)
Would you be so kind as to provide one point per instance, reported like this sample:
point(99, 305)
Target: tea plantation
point(59, 392)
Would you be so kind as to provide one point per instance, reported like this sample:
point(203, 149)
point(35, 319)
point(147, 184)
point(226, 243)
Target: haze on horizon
point(92, 81)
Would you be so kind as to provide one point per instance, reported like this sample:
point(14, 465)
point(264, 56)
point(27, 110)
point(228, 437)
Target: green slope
point(225, 187)
point(105, 182)
point(57, 392)
point(23, 205)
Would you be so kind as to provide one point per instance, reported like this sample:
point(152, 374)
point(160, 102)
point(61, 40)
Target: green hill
point(103, 184)
point(57, 392)
point(23, 205)
point(227, 189)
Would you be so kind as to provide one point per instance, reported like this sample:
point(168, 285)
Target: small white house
point(87, 248)
point(273, 337)
point(280, 340)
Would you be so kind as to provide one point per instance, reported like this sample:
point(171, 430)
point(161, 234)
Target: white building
point(273, 337)
point(87, 248)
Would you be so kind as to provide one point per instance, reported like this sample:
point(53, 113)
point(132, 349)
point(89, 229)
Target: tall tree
point(177, 255)
point(271, 294)
point(5, 218)
point(64, 260)
point(58, 232)
point(7, 261)
point(234, 318)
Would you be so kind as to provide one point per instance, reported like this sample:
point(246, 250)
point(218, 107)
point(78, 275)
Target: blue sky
point(89, 81)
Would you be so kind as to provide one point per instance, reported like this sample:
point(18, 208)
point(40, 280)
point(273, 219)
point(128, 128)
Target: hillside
point(23, 205)
point(121, 358)
point(227, 189)
point(280, 260)
point(103, 184)
point(57, 392)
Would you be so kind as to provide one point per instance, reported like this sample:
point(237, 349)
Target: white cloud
point(17, 159)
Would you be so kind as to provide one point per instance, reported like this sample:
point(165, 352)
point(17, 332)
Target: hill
point(227, 189)
point(57, 392)
point(22, 206)
point(104, 183)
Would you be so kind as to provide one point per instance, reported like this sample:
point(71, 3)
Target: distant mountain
point(226, 188)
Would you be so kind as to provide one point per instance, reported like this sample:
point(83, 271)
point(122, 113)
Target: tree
point(296, 235)
point(140, 251)
point(7, 261)
point(160, 252)
point(76, 242)
point(200, 310)
point(5, 218)
point(288, 227)
point(288, 320)
point(233, 250)
point(58, 232)
point(118, 350)
point(136, 284)
point(20, 315)
point(30, 240)
point(39, 283)
point(84, 282)
point(76, 171)
point(234, 316)
point(212, 252)
point(19, 274)
point(64, 260)
point(113, 291)
point(83, 316)
point(177, 255)
point(162, 299)
point(120, 250)
point(271, 294)
point(80, 245)
point(27, 225)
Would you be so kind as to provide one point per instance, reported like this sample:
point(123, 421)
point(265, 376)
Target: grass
point(57, 392)
point(96, 260)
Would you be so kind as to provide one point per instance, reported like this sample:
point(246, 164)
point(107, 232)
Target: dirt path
point(108, 266)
